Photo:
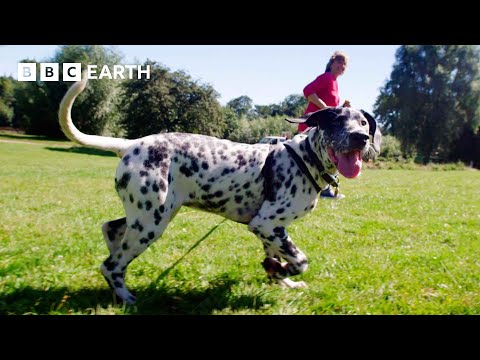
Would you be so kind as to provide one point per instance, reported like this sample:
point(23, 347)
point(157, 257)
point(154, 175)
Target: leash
point(331, 180)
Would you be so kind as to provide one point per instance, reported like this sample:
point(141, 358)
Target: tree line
point(429, 106)
point(431, 103)
point(168, 101)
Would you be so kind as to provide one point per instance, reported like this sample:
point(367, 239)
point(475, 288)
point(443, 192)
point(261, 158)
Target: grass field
point(401, 242)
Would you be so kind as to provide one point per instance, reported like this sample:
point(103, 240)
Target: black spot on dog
point(204, 165)
point(241, 161)
point(155, 187)
point(280, 232)
point(194, 166)
point(288, 248)
point(293, 190)
point(137, 225)
point(162, 186)
point(126, 159)
point(151, 235)
point(238, 199)
point(123, 182)
point(289, 182)
point(144, 190)
point(136, 151)
point(148, 205)
point(280, 211)
point(109, 264)
point(161, 208)
point(140, 205)
point(143, 173)
point(186, 171)
point(206, 187)
point(157, 217)
point(131, 198)
point(125, 246)
point(156, 154)
point(117, 275)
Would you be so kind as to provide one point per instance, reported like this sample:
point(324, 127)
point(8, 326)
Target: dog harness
point(331, 180)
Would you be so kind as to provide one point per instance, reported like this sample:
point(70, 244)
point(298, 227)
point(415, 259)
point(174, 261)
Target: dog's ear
point(300, 120)
point(372, 124)
point(319, 118)
point(374, 131)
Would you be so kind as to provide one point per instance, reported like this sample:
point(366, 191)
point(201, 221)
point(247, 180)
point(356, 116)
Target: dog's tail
point(116, 145)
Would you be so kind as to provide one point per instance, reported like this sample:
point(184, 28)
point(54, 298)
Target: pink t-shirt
point(326, 88)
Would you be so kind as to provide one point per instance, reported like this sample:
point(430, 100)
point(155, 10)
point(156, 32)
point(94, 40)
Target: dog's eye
point(364, 123)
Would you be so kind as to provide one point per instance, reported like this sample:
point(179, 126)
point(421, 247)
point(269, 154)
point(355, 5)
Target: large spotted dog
point(264, 186)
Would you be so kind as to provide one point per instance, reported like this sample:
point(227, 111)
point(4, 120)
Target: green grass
point(401, 242)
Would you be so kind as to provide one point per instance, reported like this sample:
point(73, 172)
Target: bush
point(6, 114)
point(390, 148)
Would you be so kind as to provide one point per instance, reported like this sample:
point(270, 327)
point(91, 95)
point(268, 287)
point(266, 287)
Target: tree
point(6, 100)
point(294, 105)
point(432, 93)
point(242, 106)
point(170, 101)
point(251, 131)
point(95, 109)
point(232, 122)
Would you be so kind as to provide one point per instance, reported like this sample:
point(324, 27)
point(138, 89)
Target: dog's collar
point(331, 180)
point(323, 173)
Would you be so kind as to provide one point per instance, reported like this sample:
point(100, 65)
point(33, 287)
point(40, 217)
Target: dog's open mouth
point(349, 164)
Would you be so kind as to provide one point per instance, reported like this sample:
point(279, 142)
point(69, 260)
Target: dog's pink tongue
point(350, 164)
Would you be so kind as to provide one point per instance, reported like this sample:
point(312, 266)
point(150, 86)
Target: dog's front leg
point(278, 245)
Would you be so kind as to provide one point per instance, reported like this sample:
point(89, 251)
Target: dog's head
point(348, 137)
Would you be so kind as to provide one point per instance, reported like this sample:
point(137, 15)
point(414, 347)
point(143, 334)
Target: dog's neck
point(319, 148)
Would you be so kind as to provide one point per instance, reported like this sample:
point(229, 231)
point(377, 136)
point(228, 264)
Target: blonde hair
point(337, 55)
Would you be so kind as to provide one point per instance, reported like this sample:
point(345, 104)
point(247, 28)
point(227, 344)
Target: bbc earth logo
point(73, 72)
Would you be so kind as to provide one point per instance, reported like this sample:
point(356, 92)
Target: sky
point(265, 73)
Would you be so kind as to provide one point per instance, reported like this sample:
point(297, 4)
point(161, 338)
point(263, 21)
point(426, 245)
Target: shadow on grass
point(217, 295)
point(82, 150)
point(161, 300)
point(27, 137)
point(155, 299)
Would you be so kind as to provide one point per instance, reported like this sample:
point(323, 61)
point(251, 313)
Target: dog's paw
point(125, 296)
point(292, 284)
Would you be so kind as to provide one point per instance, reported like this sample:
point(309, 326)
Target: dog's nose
point(358, 139)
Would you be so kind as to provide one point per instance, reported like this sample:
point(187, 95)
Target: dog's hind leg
point(141, 231)
point(278, 244)
point(113, 232)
